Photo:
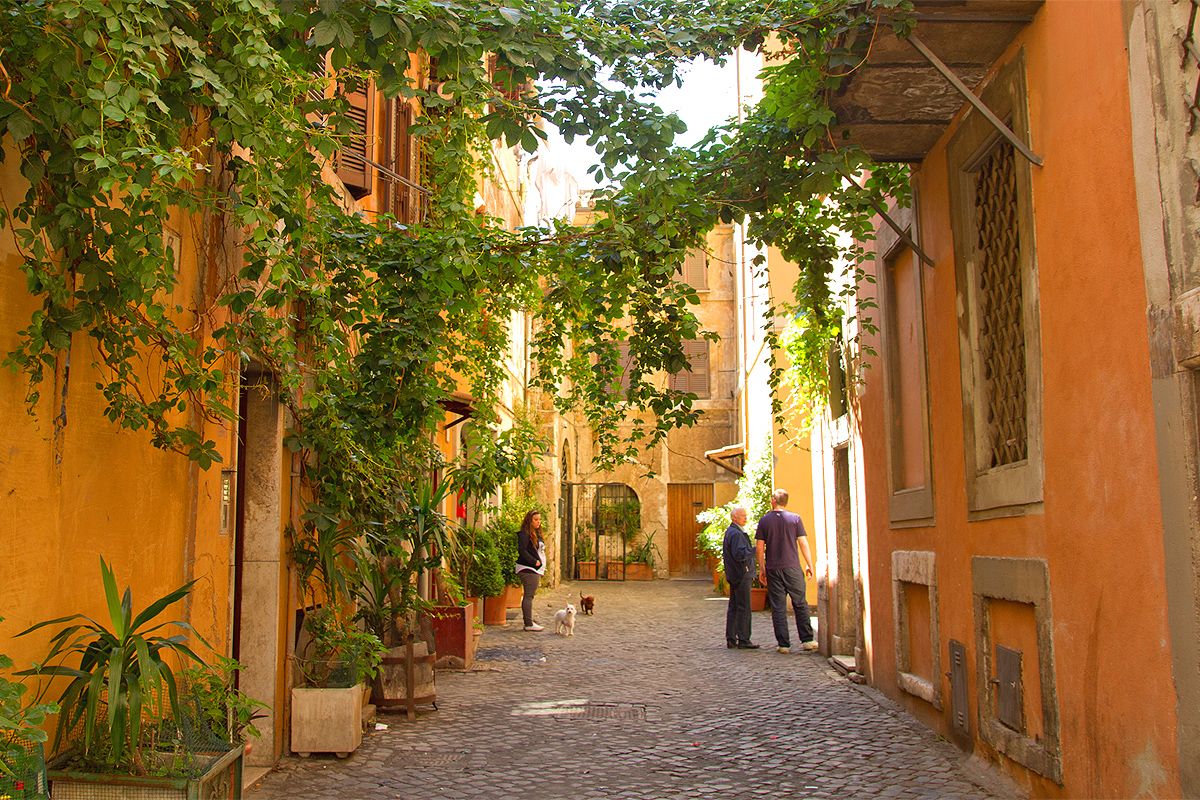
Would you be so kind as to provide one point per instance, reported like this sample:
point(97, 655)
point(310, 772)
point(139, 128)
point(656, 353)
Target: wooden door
point(684, 502)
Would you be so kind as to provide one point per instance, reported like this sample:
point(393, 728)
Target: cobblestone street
point(645, 701)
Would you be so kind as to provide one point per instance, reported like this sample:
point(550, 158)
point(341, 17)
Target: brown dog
point(587, 603)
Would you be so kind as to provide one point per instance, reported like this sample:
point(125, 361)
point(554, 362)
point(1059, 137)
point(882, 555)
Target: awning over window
point(458, 403)
point(724, 456)
point(897, 104)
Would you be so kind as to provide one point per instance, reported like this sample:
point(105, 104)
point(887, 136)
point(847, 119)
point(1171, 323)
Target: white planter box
point(327, 720)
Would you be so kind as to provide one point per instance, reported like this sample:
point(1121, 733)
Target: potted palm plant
point(226, 713)
point(384, 566)
point(585, 553)
point(639, 562)
point(122, 726)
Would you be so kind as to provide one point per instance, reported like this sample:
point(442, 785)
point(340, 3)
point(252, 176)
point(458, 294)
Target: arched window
point(618, 512)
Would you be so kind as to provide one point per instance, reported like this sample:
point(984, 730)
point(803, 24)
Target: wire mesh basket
point(23, 775)
point(181, 747)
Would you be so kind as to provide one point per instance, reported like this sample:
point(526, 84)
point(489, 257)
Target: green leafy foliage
point(19, 722)
point(754, 494)
point(127, 118)
point(620, 518)
point(384, 563)
point(338, 654)
point(211, 693)
point(478, 560)
point(644, 552)
point(123, 680)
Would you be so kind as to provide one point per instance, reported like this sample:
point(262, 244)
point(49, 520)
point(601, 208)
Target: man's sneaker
point(808, 645)
point(783, 649)
point(534, 627)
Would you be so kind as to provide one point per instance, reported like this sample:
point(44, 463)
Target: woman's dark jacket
point(527, 551)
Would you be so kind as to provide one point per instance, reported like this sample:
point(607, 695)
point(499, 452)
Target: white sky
point(708, 97)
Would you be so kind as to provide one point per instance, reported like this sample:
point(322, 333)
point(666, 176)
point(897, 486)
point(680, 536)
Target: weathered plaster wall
point(1166, 155)
point(96, 490)
point(1100, 526)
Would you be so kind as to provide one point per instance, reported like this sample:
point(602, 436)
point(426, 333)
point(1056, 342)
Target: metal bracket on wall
point(974, 100)
point(902, 232)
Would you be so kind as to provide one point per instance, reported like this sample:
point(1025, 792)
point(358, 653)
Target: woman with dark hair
point(531, 563)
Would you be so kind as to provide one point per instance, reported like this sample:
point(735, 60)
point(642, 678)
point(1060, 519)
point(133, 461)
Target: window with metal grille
point(995, 262)
point(694, 270)
point(624, 362)
point(1001, 323)
point(505, 80)
point(694, 379)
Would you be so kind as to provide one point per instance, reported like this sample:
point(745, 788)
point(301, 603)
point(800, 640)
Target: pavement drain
point(614, 711)
point(521, 655)
point(426, 758)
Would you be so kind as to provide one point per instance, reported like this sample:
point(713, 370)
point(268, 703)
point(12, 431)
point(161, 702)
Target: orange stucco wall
point(1099, 530)
point(793, 458)
point(97, 490)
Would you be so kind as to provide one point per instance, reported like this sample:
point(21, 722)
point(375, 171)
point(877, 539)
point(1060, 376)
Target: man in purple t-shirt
point(778, 534)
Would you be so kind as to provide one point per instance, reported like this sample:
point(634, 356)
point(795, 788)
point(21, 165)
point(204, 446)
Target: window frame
point(1010, 489)
point(906, 505)
point(685, 275)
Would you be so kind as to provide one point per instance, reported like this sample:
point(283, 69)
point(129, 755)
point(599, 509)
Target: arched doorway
point(617, 520)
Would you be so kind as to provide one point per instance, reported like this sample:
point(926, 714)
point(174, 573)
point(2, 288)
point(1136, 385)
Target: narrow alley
point(644, 701)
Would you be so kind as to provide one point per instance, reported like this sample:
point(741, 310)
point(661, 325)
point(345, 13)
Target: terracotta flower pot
point(758, 599)
point(495, 610)
point(453, 635)
point(639, 572)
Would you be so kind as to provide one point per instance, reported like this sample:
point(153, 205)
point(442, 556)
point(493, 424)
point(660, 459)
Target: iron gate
point(599, 522)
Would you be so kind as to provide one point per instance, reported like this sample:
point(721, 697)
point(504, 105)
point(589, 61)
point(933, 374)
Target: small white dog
point(564, 621)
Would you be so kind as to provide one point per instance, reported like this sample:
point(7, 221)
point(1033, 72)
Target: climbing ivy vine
point(127, 116)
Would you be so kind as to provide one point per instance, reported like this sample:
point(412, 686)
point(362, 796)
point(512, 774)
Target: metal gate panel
point(602, 518)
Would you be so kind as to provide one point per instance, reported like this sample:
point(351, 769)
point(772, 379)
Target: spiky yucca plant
point(120, 664)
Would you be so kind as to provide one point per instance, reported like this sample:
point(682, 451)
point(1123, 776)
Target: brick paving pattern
point(645, 701)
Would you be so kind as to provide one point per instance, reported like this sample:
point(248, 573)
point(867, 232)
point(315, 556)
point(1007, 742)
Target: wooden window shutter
point(695, 269)
point(422, 169)
point(696, 380)
point(397, 197)
point(625, 361)
point(357, 150)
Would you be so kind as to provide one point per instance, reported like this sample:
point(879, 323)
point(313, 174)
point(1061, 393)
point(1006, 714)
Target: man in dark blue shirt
point(737, 555)
point(778, 534)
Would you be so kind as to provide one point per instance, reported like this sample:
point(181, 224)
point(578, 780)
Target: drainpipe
point(740, 284)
